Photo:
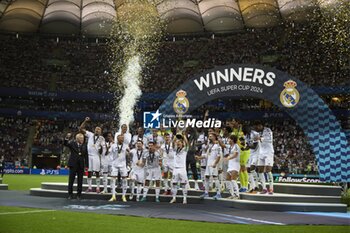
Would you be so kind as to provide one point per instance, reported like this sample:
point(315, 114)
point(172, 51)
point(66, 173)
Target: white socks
point(235, 187)
point(132, 187)
point(157, 192)
point(145, 191)
point(206, 184)
point(89, 181)
point(262, 180)
point(174, 190)
point(217, 185)
point(270, 179)
point(229, 186)
point(138, 190)
point(105, 182)
point(196, 187)
point(98, 182)
point(124, 185)
point(166, 184)
point(253, 180)
point(184, 190)
point(113, 185)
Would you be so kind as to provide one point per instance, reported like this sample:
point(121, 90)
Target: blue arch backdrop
point(324, 132)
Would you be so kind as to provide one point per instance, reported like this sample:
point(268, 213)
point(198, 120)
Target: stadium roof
point(93, 17)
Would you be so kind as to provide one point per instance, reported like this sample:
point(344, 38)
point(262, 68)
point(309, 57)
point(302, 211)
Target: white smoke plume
point(131, 79)
point(134, 41)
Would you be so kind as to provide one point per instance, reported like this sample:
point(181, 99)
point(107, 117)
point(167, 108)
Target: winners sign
point(288, 93)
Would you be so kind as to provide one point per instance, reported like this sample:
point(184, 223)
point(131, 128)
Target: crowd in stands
point(293, 153)
point(14, 136)
point(74, 64)
point(48, 134)
point(54, 105)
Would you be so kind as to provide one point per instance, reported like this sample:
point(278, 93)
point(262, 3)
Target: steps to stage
point(3, 186)
point(287, 197)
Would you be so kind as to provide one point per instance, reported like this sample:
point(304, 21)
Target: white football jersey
point(118, 155)
point(180, 158)
point(266, 145)
point(158, 140)
point(213, 151)
point(252, 139)
point(136, 138)
point(136, 155)
point(127, 138)
point(152, 159)
point(94, 143)
point(203, 153)
point(105, 158)
point(168, 151)
point(230, 150)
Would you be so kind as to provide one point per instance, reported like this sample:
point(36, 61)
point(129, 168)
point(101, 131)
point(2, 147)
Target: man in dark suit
point(78, 160)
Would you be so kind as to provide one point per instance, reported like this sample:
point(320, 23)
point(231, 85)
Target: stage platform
point(287, 197)
point(3, 186)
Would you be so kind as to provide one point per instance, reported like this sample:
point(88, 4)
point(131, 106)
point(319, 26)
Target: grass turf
point(26, 182)
point(61, 221)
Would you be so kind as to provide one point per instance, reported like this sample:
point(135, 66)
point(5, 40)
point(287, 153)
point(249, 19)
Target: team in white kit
point(159, 162)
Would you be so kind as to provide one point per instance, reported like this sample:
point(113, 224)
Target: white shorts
point(220, 165)
point(210, 171)
point(167, 168)
point(179, 176)
point(265, 160)
point(233, 167)
point(137, 174)
point(122, 170)
point(253, 161)
point(106, 168)
point(94, 164)
point(153, 173)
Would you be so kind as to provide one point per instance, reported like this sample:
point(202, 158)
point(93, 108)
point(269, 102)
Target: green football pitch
point(26, 182)
point(22, 220)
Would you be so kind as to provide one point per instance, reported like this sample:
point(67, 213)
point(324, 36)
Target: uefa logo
point(151, 120)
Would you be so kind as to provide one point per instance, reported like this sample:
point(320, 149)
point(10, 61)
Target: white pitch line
point(251, 219)
point(26, 212)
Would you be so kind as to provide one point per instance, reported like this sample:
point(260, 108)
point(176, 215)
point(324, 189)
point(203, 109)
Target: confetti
point(134, 42)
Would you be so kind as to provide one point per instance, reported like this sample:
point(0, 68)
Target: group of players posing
point(224, 154)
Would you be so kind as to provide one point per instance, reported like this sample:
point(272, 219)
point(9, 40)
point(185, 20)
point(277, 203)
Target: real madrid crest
point(289, 97)
point(181, 103)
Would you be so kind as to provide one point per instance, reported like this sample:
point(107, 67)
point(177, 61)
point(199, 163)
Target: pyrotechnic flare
point(134, 41)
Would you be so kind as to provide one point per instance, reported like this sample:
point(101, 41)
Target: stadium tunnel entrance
point(291, 95)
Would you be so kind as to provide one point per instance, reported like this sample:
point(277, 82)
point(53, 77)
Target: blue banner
point(17, 171)
point(49, 171)
point(36, 171)
point(23, 92)
point(289, 94)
